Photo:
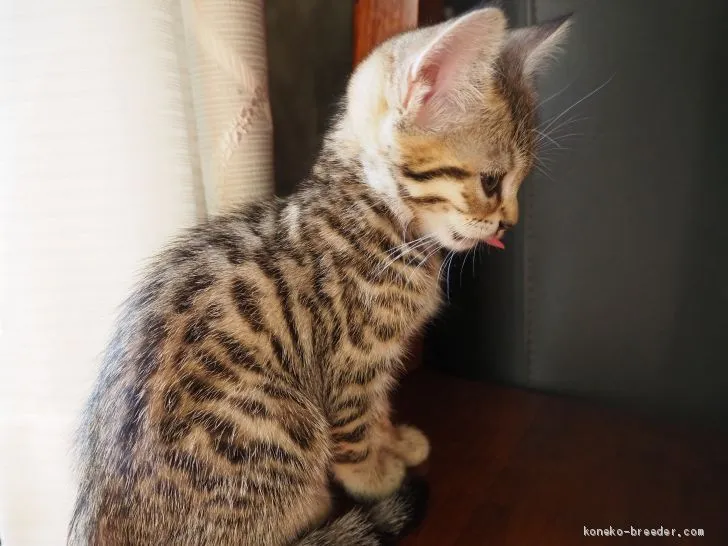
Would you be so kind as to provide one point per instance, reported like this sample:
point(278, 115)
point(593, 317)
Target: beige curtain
point(226, 49)
point(121, 122)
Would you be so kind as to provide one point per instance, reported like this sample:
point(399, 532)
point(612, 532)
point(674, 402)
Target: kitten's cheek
point(440, 228)
point(433, 226)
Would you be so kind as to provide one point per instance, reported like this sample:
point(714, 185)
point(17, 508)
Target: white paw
point(412, 445)
point(372, 481)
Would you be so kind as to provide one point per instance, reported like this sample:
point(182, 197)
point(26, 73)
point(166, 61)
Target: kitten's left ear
point(533, 47)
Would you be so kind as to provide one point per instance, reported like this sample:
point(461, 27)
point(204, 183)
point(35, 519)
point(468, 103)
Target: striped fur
point(257, 355)
point(255, 360)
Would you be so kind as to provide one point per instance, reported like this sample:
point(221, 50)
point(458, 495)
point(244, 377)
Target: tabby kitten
point(255, 360)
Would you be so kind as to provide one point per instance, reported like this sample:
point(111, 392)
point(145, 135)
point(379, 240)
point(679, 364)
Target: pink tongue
point(495, 242)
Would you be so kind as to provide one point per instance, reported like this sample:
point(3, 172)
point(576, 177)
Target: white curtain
point(121, 122)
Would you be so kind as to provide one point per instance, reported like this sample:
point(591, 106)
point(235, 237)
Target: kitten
point(255, 360)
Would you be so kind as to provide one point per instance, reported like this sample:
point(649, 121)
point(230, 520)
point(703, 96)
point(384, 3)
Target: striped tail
point(379, 524)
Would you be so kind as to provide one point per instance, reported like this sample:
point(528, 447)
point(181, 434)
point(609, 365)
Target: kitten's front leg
point(370, 454)
point(409, 444)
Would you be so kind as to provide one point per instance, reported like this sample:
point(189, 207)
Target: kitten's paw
point(411, 445)
point(375, 478)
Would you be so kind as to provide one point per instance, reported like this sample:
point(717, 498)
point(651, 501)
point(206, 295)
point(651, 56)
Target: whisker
point(447, 275)
point(477, 247)
point(402, 250)
point(462, 266)
point(442, 265)
point(566, 123)
point(427, 258)
point(407, 246)
point(579, 102)
point(410, 246)
point(543, 159)
point(544, 101)
point(547, 137)
point(543, 172)
point(567, 135)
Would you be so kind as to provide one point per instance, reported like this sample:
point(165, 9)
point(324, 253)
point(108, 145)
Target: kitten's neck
point(358, 185)
point(364, 163)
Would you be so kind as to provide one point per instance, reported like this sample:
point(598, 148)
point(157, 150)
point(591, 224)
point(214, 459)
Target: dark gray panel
point(615, 284)
point(626, 251)
point(309, 56)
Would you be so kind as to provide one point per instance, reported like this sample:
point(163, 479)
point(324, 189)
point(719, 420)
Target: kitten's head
point(445, 116)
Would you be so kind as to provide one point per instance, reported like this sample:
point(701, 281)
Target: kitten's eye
point(490, 182)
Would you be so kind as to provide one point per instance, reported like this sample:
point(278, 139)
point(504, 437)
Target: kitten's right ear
point(534, 46)
point(439, 79)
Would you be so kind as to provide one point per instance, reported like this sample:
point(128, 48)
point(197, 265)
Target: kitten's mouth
point(494, 240)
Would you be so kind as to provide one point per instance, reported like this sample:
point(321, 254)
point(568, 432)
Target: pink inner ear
point(438, 74)
point(410, 88)
point(426, 76)
point(429, 76)
point(441, 71)
point(446, 64)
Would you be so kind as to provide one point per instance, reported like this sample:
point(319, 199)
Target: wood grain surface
point(377, 20)
point(513, 468)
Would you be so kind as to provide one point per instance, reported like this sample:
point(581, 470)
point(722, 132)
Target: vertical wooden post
point(374, 22)
point(377, 20)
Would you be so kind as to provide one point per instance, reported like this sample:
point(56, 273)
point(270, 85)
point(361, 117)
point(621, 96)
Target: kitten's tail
point(378, 524)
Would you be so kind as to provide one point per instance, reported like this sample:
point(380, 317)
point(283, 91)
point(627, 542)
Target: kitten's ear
point(440, 79)
point(533, 47)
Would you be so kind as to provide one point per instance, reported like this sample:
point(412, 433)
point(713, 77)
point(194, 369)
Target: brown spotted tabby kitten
point(255, 361)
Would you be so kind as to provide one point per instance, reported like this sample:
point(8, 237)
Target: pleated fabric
point(121, 122)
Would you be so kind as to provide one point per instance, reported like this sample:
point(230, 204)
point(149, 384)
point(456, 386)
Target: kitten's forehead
point(500, 134)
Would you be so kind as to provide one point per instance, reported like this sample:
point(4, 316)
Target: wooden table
point(509, 467)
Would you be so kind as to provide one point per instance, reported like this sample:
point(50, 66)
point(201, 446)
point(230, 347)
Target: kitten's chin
point(461, 245)
point(451, 238)
point(455, 242)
